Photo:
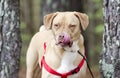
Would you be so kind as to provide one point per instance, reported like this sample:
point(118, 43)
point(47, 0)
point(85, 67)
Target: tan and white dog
point(63, 38)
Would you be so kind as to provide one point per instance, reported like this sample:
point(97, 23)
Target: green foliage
point(99, 14)
point(26, 37)
point(23, 25)
point(99, 29)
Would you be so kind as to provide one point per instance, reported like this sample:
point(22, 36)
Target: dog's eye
point(72, 26)
point(56, 25)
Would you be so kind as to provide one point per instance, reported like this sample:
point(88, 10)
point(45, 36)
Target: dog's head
point(66, 26)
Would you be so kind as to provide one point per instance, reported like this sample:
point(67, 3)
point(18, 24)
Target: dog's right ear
point(48, 19)
point(83, 18)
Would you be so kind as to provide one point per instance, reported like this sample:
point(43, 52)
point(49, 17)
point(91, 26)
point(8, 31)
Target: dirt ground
point(22, 73)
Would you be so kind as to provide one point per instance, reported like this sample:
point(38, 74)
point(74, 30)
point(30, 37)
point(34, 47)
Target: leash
point(87, 63)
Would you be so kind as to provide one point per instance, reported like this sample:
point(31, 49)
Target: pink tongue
point(65, 41)
point(66, 38)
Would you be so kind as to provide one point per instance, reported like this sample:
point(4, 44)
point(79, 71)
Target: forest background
point(32, 19)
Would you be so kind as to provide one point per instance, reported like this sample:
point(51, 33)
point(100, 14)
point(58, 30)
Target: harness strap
point(45, 47)
point(63, 75)
point(41, 64)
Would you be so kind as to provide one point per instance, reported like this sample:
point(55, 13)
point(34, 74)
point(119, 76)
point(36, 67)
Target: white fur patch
point(68, 59)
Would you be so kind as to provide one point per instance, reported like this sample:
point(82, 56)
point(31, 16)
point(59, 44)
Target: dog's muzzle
point(64, 39)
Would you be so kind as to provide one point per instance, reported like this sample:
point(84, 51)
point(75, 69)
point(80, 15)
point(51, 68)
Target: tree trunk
point(10, 38)
point(110, 58)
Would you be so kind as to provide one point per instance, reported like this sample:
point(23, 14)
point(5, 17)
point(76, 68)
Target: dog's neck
point(69, 56)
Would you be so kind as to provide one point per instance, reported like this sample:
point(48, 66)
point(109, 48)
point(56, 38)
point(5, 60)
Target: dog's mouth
point(64, 40)
point(63, 44)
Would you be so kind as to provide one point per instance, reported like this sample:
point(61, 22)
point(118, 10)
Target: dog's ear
point(83, 18)
point(48, 19)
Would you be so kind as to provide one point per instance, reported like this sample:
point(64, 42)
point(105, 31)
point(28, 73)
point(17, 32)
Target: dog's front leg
point(31, 63)
point(31, 60)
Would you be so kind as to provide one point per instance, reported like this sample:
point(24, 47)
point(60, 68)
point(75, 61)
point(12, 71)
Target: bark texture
point(10, 38)
point(110, 58)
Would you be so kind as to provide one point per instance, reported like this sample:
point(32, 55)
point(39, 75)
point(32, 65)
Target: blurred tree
point(91, 38)
point(10, 38)
point(110, 58)
point(95, 29)
point(28, 14)
point(50, 6)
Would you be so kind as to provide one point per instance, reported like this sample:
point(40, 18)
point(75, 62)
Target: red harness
point(63, 75)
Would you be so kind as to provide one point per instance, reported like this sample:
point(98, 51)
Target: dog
point(58, 41)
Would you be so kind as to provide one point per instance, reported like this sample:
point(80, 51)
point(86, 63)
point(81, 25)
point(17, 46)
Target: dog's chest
point(67, 62)
point(68, 59)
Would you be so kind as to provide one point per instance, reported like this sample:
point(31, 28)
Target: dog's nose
point(64, 37)
point(61, 36)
